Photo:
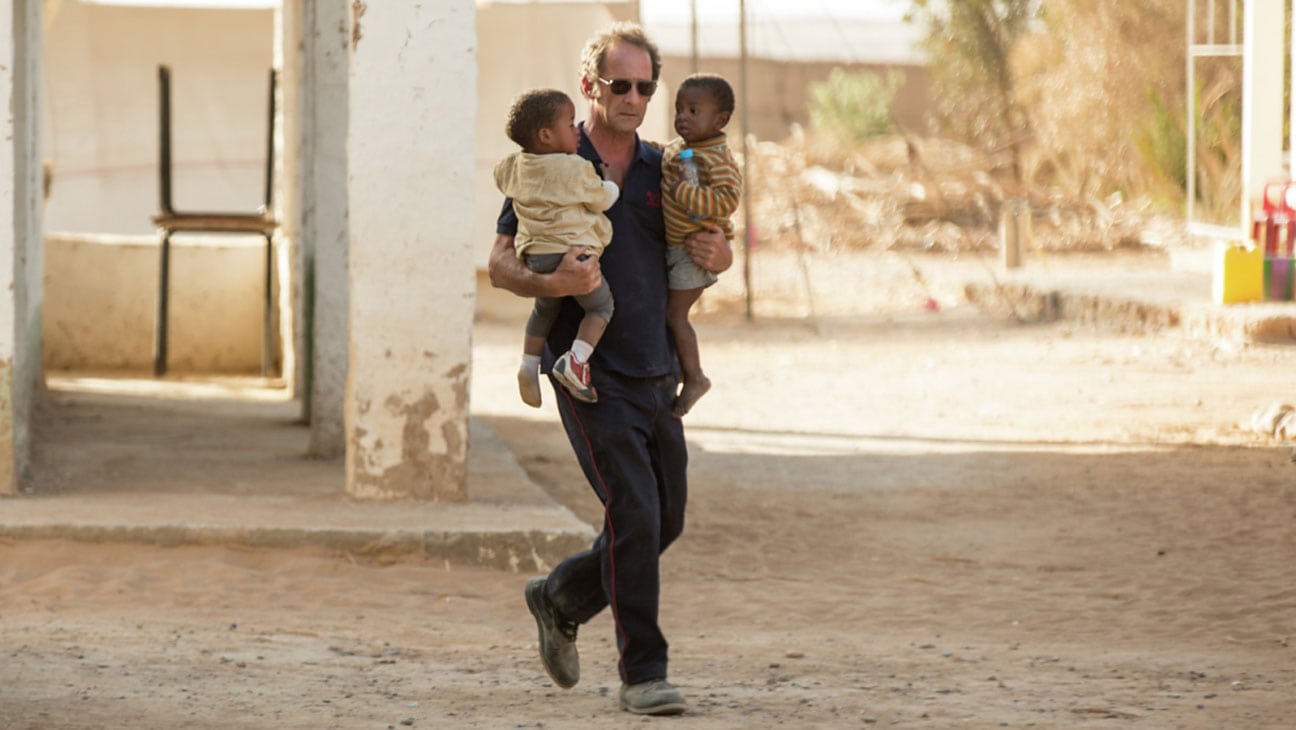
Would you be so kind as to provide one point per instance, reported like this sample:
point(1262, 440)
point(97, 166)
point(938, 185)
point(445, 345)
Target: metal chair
point(171, 221)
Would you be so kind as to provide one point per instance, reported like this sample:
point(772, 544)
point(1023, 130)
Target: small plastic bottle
point(689, 167)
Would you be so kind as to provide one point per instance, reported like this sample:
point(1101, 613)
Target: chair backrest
point(164, 142)
point(270, 143)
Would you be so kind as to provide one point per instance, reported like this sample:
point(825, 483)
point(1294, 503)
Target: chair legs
point(267, 316)
point(160, 326)
point(163, 297)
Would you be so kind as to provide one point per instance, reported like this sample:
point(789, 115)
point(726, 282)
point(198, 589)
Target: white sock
point(530, 363)
point(582, 350)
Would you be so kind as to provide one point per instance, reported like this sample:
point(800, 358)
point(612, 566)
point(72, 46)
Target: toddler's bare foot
point(529, 386)
point(693, 390)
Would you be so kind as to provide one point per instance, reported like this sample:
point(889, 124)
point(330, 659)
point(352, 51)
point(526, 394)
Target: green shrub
point(854, 106)
point(1163, 147)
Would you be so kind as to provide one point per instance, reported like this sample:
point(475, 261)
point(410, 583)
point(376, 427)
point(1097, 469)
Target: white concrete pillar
point(288, 249)
point(20, 229)
point(410, 162)
point(1291, 142)
point(325, 235)
point(1262, 99)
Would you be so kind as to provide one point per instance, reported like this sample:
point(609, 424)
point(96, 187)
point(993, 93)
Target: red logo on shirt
point(653, 198)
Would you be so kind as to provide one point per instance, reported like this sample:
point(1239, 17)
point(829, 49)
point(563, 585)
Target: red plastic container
point(1277, 220)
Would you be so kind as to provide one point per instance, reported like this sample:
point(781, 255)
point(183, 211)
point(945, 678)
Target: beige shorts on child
point(683, 273)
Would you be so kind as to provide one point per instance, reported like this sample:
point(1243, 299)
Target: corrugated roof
point(554, 2)
point(876, 37)
point(879, 41)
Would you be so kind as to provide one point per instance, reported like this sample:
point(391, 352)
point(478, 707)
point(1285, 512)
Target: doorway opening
point(226, 416)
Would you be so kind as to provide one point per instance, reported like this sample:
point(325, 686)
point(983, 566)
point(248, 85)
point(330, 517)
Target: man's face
point(623, 113)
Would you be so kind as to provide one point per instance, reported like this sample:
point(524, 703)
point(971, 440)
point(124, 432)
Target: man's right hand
point(575, 276)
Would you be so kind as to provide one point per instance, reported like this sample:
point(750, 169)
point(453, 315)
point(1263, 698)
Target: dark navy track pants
point(633, 453)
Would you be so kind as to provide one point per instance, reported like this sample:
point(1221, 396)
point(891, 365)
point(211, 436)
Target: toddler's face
point(697, 116)
point(563, 129)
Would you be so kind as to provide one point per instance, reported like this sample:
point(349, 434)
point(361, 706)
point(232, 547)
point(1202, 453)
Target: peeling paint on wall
point(416, 441)
point(8, 482)
point(358, 9)
point(431, 460)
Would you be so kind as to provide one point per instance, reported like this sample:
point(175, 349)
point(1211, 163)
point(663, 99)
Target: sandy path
point(897, 519)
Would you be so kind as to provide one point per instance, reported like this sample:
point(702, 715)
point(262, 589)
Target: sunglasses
point(621, 87)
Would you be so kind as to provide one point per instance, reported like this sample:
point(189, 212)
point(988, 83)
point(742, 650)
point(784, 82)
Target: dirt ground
point(898, 517)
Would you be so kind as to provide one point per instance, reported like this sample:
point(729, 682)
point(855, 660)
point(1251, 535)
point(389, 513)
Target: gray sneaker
point(654, 697)
point(557, 636)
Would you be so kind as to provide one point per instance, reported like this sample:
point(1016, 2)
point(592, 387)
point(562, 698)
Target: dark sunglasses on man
point(621, 87)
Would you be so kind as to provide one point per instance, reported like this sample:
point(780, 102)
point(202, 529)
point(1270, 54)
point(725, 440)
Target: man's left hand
point(710, 249)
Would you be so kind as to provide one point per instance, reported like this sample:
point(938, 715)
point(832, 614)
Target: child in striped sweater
point(703, 106)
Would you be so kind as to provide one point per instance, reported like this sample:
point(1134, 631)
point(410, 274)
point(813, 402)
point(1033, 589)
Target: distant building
point(786, 56)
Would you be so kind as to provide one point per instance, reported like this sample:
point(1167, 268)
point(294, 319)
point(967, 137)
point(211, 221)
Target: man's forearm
point(508, 272)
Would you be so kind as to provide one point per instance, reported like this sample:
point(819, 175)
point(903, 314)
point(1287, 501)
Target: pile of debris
point(922, 194)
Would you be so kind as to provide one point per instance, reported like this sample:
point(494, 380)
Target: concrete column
point(20, 230)
point(410, 165)
point(287, 197)
point(1262, 99)
point(325, 235)
point(1291, 141)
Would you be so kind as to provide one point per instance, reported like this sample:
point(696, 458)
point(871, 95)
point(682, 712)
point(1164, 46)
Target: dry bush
point(911, 193)
point(1095, 77)
point(1099, 93)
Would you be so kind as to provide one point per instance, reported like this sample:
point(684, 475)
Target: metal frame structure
point(1232, 48)
point(170, 221)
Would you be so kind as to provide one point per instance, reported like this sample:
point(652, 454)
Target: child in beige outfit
point(559, 199)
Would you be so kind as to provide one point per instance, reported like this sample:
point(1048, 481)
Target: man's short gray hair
point(596, 48)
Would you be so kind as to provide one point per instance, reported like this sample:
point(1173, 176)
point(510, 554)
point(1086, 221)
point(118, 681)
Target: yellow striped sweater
point(713, 201)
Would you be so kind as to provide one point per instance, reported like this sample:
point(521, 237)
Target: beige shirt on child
point(559, 201)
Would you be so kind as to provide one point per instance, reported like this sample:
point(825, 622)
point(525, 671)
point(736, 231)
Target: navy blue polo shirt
point(637, 342)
